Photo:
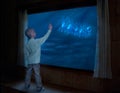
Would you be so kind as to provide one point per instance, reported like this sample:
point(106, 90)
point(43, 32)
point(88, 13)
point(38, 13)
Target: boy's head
point(30, 33)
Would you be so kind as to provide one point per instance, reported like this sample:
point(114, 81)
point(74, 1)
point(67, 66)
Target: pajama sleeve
point(44, 38)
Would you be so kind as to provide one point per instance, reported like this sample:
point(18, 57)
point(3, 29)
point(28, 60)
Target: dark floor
point(48, 88)
point(18, 85)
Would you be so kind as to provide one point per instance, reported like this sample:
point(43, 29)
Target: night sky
point(72, 43)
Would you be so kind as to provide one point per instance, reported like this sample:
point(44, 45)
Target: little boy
point(32, 55)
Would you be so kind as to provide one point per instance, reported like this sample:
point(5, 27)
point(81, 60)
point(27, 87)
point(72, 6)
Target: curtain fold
point(22, 25)
point(102, 67)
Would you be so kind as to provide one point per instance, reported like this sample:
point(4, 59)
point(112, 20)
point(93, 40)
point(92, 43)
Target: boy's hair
point(27, 32)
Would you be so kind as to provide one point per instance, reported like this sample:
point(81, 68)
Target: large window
point(80, 38)
point(72, 43)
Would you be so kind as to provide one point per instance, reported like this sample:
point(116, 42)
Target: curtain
point(23, 24)
point(102, 67)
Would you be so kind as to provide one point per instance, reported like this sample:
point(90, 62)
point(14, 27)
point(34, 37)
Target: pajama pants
point(30, 68)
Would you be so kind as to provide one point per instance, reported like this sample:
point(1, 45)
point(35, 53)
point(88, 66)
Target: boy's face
point(32, 33)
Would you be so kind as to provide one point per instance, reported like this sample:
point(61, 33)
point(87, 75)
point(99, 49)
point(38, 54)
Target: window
point(102, 66)
point(72, 43)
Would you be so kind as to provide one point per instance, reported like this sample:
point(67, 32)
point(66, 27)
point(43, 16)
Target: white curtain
point(102, 67)
point(22, 26)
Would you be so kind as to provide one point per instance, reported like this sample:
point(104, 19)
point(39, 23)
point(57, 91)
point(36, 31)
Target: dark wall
point(114, 9)
point(115, 36)
point(71, 78)
point(9, 37)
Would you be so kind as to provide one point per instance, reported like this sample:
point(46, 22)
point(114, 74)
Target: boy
point(32, 55)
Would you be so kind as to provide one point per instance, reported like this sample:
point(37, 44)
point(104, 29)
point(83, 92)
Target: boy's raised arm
point(44, 38)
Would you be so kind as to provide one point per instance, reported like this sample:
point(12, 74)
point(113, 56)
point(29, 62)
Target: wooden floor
point(17, 86)
point(48, 88)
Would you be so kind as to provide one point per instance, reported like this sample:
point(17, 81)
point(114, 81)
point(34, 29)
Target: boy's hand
point(50, 27)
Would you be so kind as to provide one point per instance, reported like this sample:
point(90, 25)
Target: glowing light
point(63, 24)
point(76, 29)
point(69, 26)
point(88, 27)
point(81, 30)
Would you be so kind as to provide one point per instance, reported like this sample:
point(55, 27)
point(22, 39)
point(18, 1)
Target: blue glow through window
point(72, 42)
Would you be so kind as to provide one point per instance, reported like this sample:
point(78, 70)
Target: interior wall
point(9, 37)
point(66, 77)
point(114, 84)
point(115, 35)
